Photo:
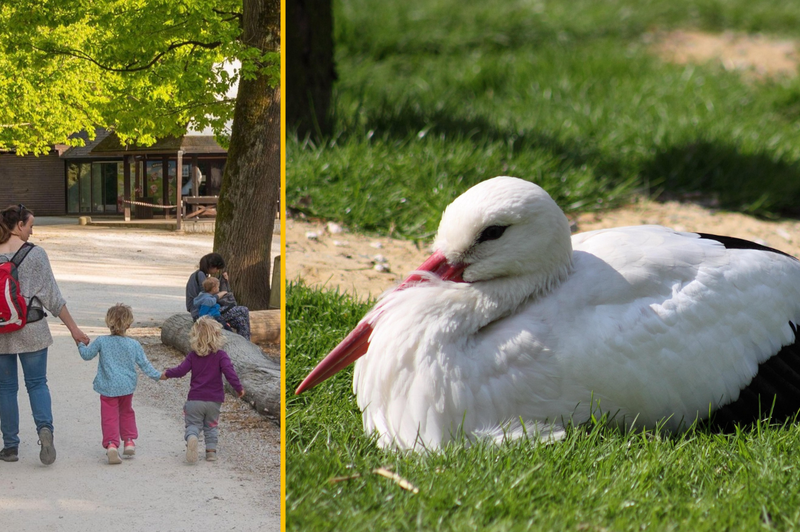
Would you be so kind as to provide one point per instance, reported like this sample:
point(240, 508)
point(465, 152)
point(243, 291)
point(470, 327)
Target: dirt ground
point(246, 432)
point(348, 261)
point(755, 56)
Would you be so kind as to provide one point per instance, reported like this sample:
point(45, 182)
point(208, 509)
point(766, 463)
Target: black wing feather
point(773, 393)
point(738, 243)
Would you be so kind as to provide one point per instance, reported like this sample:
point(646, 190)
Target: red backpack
point(13, 307)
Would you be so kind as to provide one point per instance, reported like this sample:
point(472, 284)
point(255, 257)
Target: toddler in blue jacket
point(207, 302)
point(116, 380)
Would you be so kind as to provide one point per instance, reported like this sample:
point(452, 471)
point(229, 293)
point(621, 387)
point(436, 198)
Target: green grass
point(599, 478)
point(435, 96)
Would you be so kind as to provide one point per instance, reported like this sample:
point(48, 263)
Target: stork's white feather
point(644, 323)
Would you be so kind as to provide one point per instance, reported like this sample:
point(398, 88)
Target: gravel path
point(156, 490)
point(248, 441)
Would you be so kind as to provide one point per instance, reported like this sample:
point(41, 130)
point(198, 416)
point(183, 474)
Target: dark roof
point(190, 144)
point(84, 152)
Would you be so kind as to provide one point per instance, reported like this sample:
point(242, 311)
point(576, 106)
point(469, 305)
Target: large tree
point(250, 186)
point(148, 69)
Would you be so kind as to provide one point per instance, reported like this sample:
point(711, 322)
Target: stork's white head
point(504, 227)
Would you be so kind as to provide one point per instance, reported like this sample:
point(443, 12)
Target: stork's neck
point(458, 310)
point(409, 382)
point(506, 295)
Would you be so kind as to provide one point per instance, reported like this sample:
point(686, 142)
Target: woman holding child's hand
point(30, 343)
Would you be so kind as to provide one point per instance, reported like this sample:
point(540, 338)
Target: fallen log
point(259, 374)
point(265, 326)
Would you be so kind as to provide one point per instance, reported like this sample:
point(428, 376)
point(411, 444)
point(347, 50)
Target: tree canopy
point(144, 68)
point(148, 69)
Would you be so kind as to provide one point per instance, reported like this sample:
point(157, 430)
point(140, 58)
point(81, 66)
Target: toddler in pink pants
point(116, 381)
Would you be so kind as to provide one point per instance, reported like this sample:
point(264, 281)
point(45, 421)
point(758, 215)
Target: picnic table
point(202, 205)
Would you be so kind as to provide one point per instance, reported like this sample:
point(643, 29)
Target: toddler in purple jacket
point(208, 363)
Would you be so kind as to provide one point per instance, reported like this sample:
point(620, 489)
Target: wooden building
point(105, 178)
point(151, 172)
point(36, 182)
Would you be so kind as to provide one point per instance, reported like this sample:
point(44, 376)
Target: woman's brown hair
point(10, 217)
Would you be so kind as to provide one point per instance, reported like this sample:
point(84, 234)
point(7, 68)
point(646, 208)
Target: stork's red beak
point(355, 345)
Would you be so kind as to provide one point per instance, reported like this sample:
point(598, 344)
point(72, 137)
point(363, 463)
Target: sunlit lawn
point(598, 479)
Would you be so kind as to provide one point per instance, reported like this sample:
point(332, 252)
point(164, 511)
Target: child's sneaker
point(191, 449)
point(211, 455)
point(113, 455)
point(130, 448)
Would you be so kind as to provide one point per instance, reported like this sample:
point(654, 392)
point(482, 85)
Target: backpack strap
point(21, 253)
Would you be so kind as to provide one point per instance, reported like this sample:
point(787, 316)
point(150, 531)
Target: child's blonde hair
point(206, 336)
point(119, 318)
point(210, 283)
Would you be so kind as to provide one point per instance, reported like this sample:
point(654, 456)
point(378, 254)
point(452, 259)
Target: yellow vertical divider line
point(283, 265)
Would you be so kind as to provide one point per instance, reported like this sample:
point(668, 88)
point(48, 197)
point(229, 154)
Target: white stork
point(514, 327)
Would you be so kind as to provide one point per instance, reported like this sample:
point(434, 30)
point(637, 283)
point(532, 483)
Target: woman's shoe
point(9, 454)
point(48, 453)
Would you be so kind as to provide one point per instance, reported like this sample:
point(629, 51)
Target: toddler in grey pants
point(207, 363)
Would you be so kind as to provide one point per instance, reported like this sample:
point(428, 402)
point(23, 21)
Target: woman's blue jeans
point(34, 369)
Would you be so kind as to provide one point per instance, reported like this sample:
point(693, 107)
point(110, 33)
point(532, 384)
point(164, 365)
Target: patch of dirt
point(346, 260)
point(323, 257)
point(755, 56)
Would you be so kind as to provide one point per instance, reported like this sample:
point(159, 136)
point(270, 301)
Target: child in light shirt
point(116, 381)
point(208, 363)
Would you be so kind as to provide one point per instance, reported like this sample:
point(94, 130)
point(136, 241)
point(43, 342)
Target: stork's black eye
point(493, 232)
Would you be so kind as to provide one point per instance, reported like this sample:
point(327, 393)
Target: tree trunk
point(251, 182)
point(310, 71)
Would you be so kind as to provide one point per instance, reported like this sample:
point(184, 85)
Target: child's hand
point(163, 376)
point(241, 394)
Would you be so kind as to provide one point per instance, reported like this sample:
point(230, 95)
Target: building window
point(172, 193)
point(86, 187)
point(73, 188)
point(95, 187)
point(154, 179)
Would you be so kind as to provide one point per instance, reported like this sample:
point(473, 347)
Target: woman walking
point(30, 343)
